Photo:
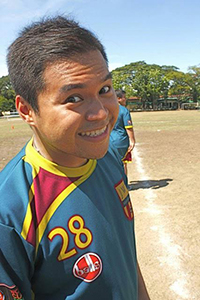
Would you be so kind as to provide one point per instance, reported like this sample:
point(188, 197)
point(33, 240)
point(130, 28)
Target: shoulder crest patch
point(124, 198)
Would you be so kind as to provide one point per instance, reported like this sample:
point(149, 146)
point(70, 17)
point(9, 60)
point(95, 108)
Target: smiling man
point(66, 219)
point(76, 110)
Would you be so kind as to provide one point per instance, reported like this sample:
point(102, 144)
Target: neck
point(60, 158)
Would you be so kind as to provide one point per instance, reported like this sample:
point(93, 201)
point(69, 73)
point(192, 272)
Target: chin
point(94, 151)
point(98, 154)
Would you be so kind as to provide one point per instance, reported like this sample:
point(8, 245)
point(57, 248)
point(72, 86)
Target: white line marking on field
point(179, 288)
point(172, 251)
point(138, 161)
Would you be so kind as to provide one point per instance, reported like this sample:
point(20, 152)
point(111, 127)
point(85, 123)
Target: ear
point(25, 110)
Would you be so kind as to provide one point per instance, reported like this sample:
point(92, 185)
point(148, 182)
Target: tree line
point(147, 82)
point(150, 82)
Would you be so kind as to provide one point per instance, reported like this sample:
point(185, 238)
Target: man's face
point(122, 100)
point(77, 110)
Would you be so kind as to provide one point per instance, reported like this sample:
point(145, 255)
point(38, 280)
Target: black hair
point(120, 93)
point(44, 42)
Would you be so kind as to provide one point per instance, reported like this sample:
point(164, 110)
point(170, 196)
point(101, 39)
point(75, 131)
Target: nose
point(96, 111)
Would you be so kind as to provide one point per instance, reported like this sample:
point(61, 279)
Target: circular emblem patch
point(88, 267)
point(9, 292)
point(2, 297)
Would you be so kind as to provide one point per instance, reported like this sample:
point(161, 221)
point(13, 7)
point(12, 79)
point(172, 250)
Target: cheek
point(67, 121)
point(59, 127)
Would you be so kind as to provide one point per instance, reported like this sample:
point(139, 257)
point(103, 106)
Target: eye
point(105, 89)
point(73, 99)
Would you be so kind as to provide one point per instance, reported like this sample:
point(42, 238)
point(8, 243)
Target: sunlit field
point(14, 133)
point(165, 192)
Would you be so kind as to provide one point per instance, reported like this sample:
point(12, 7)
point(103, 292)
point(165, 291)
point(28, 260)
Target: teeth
point(94, 133)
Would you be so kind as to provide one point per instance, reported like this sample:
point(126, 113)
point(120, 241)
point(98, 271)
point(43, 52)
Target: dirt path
point(164, 178)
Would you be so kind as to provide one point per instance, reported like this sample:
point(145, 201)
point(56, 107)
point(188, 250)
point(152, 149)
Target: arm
point(131, 136)
point(142, 291)
point(15, 268)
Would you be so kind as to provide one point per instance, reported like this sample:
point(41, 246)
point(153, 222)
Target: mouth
point(94, 133)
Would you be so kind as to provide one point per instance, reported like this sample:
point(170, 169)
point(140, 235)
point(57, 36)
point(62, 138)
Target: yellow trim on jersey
point(129, 126)
point(37, 161)
point(28, 217)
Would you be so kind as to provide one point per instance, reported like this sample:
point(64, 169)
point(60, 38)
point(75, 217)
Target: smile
point(94, 133)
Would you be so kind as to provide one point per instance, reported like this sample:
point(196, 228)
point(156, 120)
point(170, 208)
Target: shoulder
point(15, 181)
point(112, 162)
point(124, 109)
point(11, 166)
point(124, 112)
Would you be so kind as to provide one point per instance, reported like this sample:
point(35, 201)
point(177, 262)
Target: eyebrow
point(68, 87)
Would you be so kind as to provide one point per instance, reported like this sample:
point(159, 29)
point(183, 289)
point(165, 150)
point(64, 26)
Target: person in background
point(122, 135)
point(66, 219)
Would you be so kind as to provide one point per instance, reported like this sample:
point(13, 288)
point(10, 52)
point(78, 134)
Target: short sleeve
point(127, 119)
point(15, 265)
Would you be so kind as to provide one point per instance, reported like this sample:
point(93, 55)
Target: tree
point(6, 104)
point(139, 79)
point(7, 95)
point(178, 86)
point(193, 79)
point(149, 82)
point(123, 77)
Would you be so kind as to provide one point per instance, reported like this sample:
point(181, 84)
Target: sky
point(163, 32)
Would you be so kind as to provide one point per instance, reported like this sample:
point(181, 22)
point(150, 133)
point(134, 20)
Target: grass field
point(165, 192)
point(14, 133)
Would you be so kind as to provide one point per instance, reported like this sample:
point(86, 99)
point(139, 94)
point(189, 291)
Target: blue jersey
point(119, 137)
point(66, 233)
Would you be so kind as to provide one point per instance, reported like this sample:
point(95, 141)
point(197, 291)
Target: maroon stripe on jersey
point(47, 187)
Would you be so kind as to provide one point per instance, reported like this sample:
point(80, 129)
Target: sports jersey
point(119, 137)
point(66, 233)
